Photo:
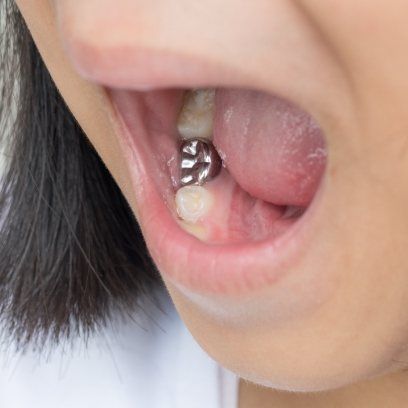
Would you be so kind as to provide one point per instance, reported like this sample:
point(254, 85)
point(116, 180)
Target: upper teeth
point(196, 116)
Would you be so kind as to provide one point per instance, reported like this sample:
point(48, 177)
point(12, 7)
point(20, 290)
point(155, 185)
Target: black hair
point(71, 252)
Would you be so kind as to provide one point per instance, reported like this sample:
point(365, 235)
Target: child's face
point(338, 313)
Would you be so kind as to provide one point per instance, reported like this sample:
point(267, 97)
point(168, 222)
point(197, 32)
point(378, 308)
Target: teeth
point(193, 203)
point(196, 116)
point(195, 121)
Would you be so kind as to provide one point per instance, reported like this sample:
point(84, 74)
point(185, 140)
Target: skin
point(346, 63)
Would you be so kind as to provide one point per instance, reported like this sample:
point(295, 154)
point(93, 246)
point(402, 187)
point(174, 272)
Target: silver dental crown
point(200, 162)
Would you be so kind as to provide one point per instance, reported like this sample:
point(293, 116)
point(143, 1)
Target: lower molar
point(203, 211)
point(221, 212)
point(193, 203)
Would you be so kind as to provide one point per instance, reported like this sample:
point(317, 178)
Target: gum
point(235, 216)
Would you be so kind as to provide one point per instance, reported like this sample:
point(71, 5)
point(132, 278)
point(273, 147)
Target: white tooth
point(196, 116)
point(193, 203)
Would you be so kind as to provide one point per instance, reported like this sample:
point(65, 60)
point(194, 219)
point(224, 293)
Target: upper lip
point(132, 67)
point(138, 69)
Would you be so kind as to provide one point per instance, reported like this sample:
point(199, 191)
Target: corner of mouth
point(199, 257)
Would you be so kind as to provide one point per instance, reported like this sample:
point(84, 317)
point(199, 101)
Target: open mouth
point(232, 221)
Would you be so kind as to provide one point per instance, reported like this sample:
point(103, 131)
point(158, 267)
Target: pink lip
point(134, 68)
point(230, 269)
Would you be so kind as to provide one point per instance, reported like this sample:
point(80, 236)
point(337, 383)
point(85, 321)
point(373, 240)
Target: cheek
point(354, 325)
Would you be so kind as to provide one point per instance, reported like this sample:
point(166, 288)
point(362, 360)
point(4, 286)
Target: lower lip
point(198, 267)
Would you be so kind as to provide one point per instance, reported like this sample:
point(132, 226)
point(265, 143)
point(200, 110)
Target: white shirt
point(150, 361)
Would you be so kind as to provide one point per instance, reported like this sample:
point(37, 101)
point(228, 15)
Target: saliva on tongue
point(274, 151)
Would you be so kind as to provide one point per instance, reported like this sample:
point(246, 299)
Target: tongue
point(274, 150)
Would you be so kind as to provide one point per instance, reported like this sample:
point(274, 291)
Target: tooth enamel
point(196, 116)
point(193, 203)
